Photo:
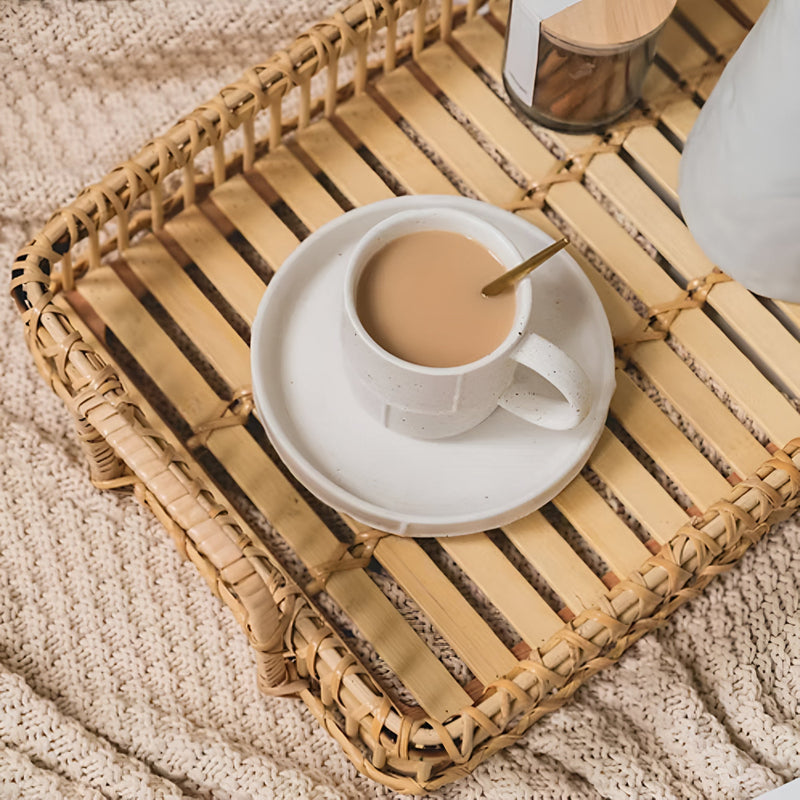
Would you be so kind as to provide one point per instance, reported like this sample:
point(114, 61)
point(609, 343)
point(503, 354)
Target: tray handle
point(236, 565)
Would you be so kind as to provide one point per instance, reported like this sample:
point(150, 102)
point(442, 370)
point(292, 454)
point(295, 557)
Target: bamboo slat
point(342, 164)
point(680, 51)
point(706, 84)
point(369, 123)
point(297, 187)
point(612, 243)
point(791, 312)
point(638, 490)
point(219, 262)
point(556, 562)
point(658, 87)
point(751, 8)
point(173, 373)
point(662, 440)
point(597, 523)
point(679, 117)
point(486, 110)
point(485, 45)
point(470, 636)
point(768, 341)
point(451, 142)
point(657, 158)
point(621, 316)
point(762, 402)
point(191, 309)
point(707, 414)
point(719, 28)
point(259, 224)
point(505, 587)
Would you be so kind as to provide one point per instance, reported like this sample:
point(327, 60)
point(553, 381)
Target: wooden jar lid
point(606, 23)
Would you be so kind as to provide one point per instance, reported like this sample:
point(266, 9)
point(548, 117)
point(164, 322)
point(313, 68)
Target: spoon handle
point(509, 278)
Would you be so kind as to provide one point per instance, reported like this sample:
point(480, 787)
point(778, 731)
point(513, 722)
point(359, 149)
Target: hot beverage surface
point(419, 297)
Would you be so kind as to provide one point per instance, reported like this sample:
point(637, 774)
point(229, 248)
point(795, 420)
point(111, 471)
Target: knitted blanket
point(122, 677)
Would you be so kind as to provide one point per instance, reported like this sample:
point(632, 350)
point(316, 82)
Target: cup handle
point(525, 398)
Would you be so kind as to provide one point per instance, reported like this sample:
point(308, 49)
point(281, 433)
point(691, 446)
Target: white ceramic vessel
point(435, 402)
point(488, 476)
point(739, 175)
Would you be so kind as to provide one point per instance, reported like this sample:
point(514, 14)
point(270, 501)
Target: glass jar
point(581, 82)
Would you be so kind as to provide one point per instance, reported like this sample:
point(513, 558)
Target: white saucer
point(498, 472)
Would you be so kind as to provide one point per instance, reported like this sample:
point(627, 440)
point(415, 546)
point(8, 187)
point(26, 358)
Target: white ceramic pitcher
point(740, 171)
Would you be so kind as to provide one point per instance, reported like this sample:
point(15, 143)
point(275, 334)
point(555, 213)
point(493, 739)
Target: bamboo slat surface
point(258, 223)
point(721, 30)
point(453, 144)
point(378, 132)
point(636, 488)
point(337, 159)
point(679, 118)
point(556, 561)
point(511, 594)
point(206, 247)
point(423, 658)
point(602, 529)
point(292, 182)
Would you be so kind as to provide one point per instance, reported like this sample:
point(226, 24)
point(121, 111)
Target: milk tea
point(419, 298)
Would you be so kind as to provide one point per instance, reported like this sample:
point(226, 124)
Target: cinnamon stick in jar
point(591, 61)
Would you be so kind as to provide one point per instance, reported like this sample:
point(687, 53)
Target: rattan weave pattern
point(430, 118)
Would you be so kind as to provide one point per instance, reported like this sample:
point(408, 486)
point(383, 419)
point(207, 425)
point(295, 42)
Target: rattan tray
point(421, 658)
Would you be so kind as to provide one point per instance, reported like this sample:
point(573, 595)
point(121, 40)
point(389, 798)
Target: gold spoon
point(508, 279)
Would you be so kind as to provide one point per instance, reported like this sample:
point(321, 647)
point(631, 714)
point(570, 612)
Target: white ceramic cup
point(435, 402)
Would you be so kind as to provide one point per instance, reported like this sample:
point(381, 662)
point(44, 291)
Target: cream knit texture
point(122, 677)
